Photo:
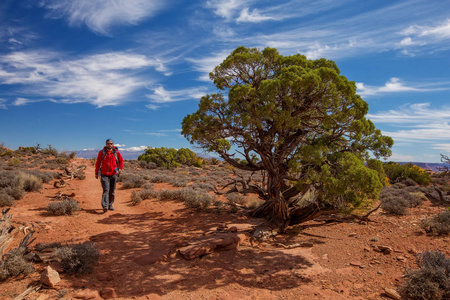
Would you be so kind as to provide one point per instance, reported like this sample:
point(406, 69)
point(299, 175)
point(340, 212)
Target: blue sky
point(75, 72)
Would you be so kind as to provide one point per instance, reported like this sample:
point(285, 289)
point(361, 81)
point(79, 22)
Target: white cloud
point(2, 103)
point(225, 8)
point(101, 15)
point(135, 149)
point(93, 79)
point(21, 101)
point(253, 17)
point(161, 95)
point(393, 85)
point(418, 113)
point(444, 148)
point(422, 37)
point(206, 65)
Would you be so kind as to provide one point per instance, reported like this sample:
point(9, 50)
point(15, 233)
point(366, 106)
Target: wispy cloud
point(3, 103)
point(225, 8)
point(93, 79)
point(418, 113)
point(416, 124)
point(207, 64)
point(393, 85)
point(100, 15)
point(252, 17)
point(161, 95)
point(423, 36)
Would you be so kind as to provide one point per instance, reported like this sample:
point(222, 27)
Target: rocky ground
point(147, 251)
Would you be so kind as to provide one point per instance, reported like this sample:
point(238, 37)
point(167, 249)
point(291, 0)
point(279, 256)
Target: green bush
point(432, 280)
point(14, 161)
point(440, 224)
point(78, 258)
point(397, 172)
point(66, 207)
point(170, 157)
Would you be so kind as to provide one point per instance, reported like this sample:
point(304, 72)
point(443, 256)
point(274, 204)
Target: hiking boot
point(105, 210)
point(111, 208)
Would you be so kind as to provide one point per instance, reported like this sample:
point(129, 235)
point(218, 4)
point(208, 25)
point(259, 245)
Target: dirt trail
point(138, 251)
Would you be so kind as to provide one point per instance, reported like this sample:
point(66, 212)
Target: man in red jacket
point(109, 164)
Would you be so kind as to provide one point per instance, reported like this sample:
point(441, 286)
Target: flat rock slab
point(208, 244)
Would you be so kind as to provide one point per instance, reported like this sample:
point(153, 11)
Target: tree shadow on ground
point(143, 259)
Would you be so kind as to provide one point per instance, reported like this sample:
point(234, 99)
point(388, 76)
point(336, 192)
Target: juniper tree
point(297, 120)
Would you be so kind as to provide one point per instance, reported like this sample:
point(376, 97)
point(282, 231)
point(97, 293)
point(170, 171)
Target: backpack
point(114, 151)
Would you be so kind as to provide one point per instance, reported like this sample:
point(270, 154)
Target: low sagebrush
point(439, 224)
point(14, 264)
point(66, 207)
point(5, 199)
point(132, 181)
point(431, 281)
point(78, 258)
point(197, 199)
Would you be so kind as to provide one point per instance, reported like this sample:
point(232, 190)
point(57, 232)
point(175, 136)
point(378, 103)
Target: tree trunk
point(275, 210)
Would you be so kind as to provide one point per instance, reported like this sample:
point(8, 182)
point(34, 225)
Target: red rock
point(108, 293)
point(50, 277)
point(87, 295)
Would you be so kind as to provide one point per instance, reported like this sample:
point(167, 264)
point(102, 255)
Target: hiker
point(109, 164)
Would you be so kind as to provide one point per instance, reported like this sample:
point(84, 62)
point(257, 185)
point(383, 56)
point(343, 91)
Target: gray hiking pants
point(109, 188)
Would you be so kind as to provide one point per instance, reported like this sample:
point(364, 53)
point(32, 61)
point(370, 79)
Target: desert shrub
point(66, 207)
point(14, 264)
point(5, 199)
point(197, 199)
point(45, 176)
point(78, 258)
point(178, 181)
point(159, 178)
point(409, 182)
point(203, 186)
point(148, 186)
point(132, 181)
point(171, 194)
point(14, 161)
point(439, 224)
point(432, 280)
point(15, 191)
point(135, 198)
point(29, 182)
point(396, 201)
point(49, 151)
point(236, 198)
point(148, 193)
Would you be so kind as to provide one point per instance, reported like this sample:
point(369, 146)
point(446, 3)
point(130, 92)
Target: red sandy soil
point(341, 264)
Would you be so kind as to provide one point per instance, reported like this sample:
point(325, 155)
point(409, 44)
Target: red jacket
point(109, 164)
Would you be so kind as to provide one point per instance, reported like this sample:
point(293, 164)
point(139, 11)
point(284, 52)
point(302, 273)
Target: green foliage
point(431, 281)
point(78, 258)
point(294, 118)
point(170, 157)
point(397, 172)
